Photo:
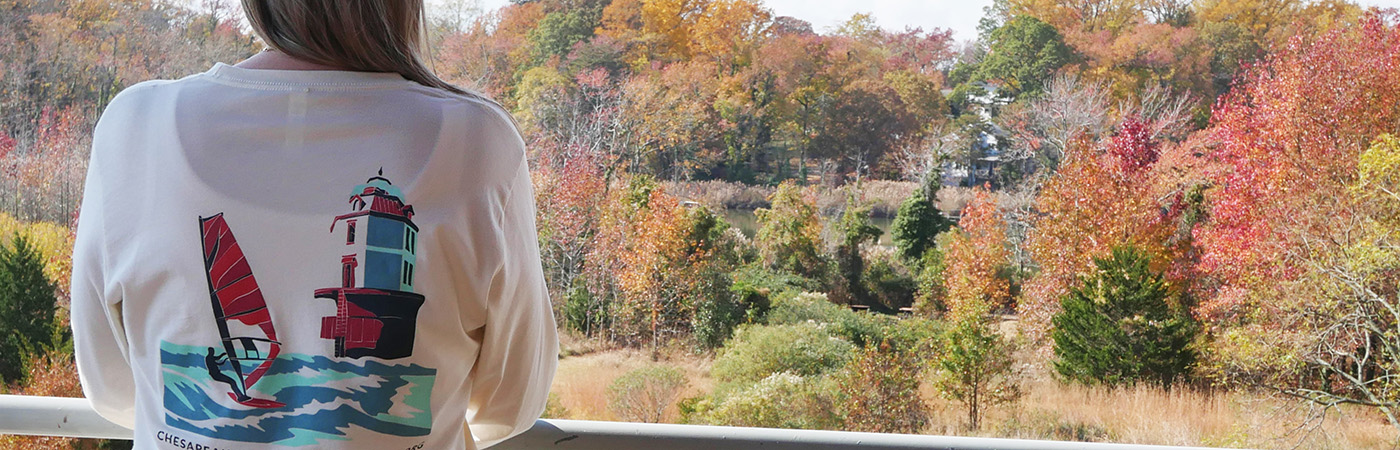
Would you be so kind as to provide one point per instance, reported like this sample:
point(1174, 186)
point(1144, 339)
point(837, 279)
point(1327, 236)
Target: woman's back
point(326, 258)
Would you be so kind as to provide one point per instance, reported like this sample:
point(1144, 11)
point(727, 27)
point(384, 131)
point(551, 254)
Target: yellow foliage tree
point(729, 29)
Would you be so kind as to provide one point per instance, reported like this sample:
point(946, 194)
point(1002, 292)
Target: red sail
point(236, 297)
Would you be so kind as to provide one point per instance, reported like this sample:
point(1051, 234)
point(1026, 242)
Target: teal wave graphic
point(323, 397)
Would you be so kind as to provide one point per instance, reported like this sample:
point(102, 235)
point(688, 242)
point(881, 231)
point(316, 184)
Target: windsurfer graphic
point(240, 313)
point(213, 363)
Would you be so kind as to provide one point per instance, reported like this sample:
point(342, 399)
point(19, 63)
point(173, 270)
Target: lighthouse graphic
point(376, 308)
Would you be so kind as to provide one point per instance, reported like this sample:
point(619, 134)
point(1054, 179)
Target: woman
point(324, 245)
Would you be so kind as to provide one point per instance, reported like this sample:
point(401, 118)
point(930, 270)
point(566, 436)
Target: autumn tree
point(1045, 129)
point(727, 31)
point(1087, 15)
point(880, 388)
point(1301, 279)
point(1114, 194)
point(65, 60)
point(491, 52)
point(789, 234)
point(570, 193)
point(651, 308)
point(976, 369)
point(672, 136)
point(976, 273)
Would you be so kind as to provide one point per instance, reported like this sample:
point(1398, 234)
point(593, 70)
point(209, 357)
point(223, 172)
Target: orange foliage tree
point(977, 262)
point(1114, 194)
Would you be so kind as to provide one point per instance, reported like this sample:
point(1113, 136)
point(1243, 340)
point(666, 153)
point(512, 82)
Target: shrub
point(716, 309)
point(643, 395)
point(553, 408)
point(757, 351)
point(880, 391)
point(53, 241)
point(888, 282)
point(975, 369)
point(707, 235)
point(780, 400)
point(804, 307)
point(857, 328)
point(932, 295)
point(917, 225)
point(27, 303)
point(748, 298)
point(1117, 327)
point(917, 335)
point(754, 278)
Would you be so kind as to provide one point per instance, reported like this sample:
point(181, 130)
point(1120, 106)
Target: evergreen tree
point(1118, 327)
point(27, 303)
point(917, 224)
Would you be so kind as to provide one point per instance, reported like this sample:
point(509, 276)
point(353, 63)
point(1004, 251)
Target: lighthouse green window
point(410, 240)
point(407, 275)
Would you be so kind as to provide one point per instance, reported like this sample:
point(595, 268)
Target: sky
point(961, 16)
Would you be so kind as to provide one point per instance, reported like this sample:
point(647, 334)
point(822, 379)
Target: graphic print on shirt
point(244, 388)
point(240, 312)
point(376, 310)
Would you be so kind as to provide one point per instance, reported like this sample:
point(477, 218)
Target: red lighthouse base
point(371, 322)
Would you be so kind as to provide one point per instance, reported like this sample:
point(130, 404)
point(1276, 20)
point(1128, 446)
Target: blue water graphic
point(324, 398)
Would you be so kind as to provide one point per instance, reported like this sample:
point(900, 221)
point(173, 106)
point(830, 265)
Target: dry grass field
point(1047, 410)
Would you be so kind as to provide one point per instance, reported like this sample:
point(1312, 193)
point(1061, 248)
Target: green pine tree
point(917, 224)
point(1118, 327)
point(27, 304)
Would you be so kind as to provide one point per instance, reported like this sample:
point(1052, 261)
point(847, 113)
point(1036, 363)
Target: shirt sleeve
point(519, 347)
point(99, 336)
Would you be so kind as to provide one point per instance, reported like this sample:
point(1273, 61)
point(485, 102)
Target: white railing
point(74, 417)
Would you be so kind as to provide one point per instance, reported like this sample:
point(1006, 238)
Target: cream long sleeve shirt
point(325, 259)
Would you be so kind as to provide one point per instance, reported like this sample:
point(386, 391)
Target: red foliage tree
point(1286, 142)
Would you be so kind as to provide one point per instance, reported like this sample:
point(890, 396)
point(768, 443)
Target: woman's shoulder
point(476, 106)
point(478, 119)
point(138, 95)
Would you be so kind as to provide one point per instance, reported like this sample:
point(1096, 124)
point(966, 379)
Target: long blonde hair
point(359, 35)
